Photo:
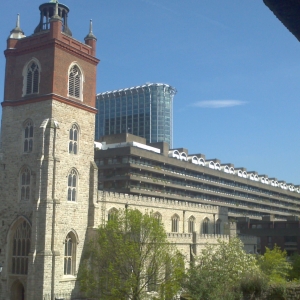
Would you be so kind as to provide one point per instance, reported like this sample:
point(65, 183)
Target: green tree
point(275, 265)
point(294, 273)
point(130, 257)
point(219, 270)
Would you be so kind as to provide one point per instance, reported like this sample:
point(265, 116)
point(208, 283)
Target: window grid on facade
point(73, 136)
point(175, 223)
point(145, 111)
point(74, 82)
point(205, 226)
point(69, 256)
point(28, 137)
point(72, 184)
point(21, 249)
point(25, 184)
point(32, 79)
point(191, 227)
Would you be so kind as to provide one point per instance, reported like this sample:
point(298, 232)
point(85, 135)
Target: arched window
point(158, 217)
point(191, 224)
point(73, 136)
point(28, 136)
point(70, 254)
point(205, 226)
point(218, 226)
point(72, 185)
point(175, 223)
point(21, 248)
point(112, 214)
point(31, 77)
point(25, 184)
point(75, 82)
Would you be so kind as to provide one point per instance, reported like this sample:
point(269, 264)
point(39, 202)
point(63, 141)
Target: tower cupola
point(17, 32)
point(48, 11)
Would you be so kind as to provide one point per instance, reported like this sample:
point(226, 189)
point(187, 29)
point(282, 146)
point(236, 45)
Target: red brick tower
point(47, 190)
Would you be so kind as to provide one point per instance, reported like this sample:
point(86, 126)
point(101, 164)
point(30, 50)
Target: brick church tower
point(47, 174)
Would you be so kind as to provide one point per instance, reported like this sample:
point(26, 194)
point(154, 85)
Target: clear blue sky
point(235, 66)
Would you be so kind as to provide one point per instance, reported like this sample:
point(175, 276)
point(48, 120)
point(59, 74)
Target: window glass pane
point(71, 134)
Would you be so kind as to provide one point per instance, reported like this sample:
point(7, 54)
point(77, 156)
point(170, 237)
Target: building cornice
point(74, 103)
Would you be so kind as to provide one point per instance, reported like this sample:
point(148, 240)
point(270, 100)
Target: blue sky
point(235, 66)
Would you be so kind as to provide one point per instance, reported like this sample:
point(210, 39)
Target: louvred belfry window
point(32, 82)
point(75, 82)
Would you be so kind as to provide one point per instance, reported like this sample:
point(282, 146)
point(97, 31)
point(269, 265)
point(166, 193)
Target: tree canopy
point(130, 258)
point(275, 265)
point(219, 269)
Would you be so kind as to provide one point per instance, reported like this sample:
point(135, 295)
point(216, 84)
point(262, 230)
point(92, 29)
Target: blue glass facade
point(145, 111)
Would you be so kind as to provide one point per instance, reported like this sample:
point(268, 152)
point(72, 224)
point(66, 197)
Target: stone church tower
point(47, 174)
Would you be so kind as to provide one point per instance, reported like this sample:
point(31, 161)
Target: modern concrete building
point(145, 111)
point(127, 164)
point(269, 232)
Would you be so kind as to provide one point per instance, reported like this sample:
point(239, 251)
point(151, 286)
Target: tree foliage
point(219, 270)
point(294, 273)
point(275, 265)
point(129, 257)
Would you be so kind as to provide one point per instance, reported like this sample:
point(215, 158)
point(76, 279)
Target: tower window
point(32, 78)
point(72, 184)
point(70, 254)
point(21, 248)
point(75, 78)
point(73, 143)
point(28, 137)
point(25, 184)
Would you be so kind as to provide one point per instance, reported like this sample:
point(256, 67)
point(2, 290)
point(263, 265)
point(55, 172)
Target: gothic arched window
point(31, 74)
point(72, 185)
point(21, 249)
point(75, 82)
point(73, 136)
point(25, 184)
point(175, 223)
point(28, 136)
point(191, 224)
point(70, 254)
point(112, 214)
point(205, 226)
point(158, 217)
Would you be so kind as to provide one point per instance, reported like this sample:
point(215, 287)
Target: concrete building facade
point(128, 164)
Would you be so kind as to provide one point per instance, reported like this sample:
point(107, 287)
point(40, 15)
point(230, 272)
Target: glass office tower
point(145, 111)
